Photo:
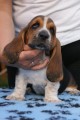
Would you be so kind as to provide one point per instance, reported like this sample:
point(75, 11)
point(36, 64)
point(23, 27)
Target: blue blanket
point(34, 108)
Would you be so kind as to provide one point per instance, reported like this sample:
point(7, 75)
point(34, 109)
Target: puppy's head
point(41, 34)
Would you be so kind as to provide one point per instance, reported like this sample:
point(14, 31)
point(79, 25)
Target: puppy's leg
point(19, 90)
point(51, 92)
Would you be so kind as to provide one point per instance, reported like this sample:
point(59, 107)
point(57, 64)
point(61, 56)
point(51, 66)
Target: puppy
point(40, 34)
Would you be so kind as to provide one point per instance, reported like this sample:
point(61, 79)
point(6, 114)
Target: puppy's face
point(41, 33)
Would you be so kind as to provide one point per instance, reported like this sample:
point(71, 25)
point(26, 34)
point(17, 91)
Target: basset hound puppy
point(40, 34)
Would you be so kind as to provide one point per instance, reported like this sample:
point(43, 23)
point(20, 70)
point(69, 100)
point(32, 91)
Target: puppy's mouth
point(41, 46)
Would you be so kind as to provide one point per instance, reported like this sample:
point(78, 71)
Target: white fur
point(45, 28)
point(72, 90)
point(40, 84)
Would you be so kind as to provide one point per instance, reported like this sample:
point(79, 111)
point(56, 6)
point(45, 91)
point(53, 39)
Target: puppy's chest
point(34, 77)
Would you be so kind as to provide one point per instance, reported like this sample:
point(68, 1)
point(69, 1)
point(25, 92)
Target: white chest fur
point(37, 78)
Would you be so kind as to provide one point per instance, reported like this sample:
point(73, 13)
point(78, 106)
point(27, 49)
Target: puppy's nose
point(44, 35)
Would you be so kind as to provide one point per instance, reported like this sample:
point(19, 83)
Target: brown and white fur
point(39, 34)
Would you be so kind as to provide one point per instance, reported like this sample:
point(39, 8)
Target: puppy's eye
point(52, 30)
point(35, 25)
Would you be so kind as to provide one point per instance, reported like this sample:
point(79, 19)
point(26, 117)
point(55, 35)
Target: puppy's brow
point(49, 20)
point(50, 23)
point(37, 20)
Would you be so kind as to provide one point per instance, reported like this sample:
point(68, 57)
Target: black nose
point(44, 35)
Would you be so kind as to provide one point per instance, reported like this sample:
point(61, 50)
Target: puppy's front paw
point(54, 100)
point(15, 96)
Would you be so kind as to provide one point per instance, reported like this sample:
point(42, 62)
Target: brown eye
point(35, 25)
point(52, 30)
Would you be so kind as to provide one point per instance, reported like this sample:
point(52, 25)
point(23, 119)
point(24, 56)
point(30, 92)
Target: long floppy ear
point(12, 50)
point(55, 69)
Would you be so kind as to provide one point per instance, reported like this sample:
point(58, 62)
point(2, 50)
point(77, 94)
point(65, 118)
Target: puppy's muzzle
point(40, 41)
